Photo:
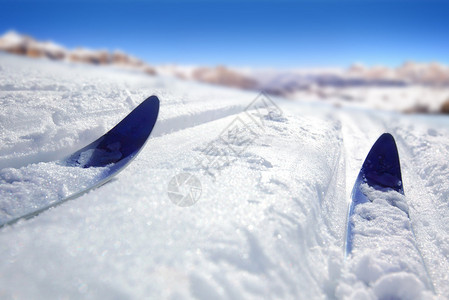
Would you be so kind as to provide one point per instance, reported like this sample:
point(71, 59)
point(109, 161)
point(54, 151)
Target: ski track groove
point(163, 127)
point(405, 149)
point(372, 127)
point(354, 138)
point(423, 213)
point(182, 122)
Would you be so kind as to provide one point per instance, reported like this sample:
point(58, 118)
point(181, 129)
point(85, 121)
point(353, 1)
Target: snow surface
point(275, 185)
point(40, 184)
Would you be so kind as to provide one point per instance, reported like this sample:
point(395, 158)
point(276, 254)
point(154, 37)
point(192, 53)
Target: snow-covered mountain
point(269, 222)
point(15, 43)
point(410, 88)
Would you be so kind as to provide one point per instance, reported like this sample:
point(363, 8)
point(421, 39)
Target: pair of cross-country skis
point(116, 149)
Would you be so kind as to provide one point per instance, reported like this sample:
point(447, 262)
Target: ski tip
point(121, 143)
point(151, 105)
point(153, 99)
point(382, 167)
point(139, 122)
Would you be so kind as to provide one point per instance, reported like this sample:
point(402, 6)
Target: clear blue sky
point(243, 33)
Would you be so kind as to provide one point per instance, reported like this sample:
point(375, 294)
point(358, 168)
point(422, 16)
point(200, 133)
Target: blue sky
point(282, 34)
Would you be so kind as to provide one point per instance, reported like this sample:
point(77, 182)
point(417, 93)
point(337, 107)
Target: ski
point(380, 170)
point(112, 152)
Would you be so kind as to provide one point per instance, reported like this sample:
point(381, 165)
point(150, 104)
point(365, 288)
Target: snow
point(52, 47)
point(270, 219)
point(40, 184)
point(12, 38)
point(412, 87)
point(385, 246)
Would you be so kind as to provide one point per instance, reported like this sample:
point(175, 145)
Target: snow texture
point(270, 219)
point(385, 252)
point(24, 190)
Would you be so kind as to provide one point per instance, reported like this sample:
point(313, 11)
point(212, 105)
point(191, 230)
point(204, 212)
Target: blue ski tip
point(382, 167)
point(120, 144)
point(115, 149)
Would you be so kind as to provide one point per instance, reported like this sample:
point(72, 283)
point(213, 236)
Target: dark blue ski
point(120, 144)
point(114, 150)
point(381, 169)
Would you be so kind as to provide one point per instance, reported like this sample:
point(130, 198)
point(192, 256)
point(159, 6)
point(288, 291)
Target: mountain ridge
point(16, 43)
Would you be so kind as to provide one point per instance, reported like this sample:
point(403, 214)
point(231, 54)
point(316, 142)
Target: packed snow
point(385, 249)
point(268, 214)
point(37, 185)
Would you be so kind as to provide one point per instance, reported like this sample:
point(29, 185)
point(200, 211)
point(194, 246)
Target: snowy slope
point(270, 221)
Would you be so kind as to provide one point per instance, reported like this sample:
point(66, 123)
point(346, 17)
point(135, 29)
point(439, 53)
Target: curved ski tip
point(123, 141)
point(386, 137)
point(151, 104)
point(382, 166)
point(154, 99)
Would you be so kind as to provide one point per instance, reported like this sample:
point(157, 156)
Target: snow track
point(423, 154)
point(270, 221)
point(415, 153)
point(56, 119)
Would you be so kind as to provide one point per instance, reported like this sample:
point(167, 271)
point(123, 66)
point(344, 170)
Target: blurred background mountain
point(16, 43)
